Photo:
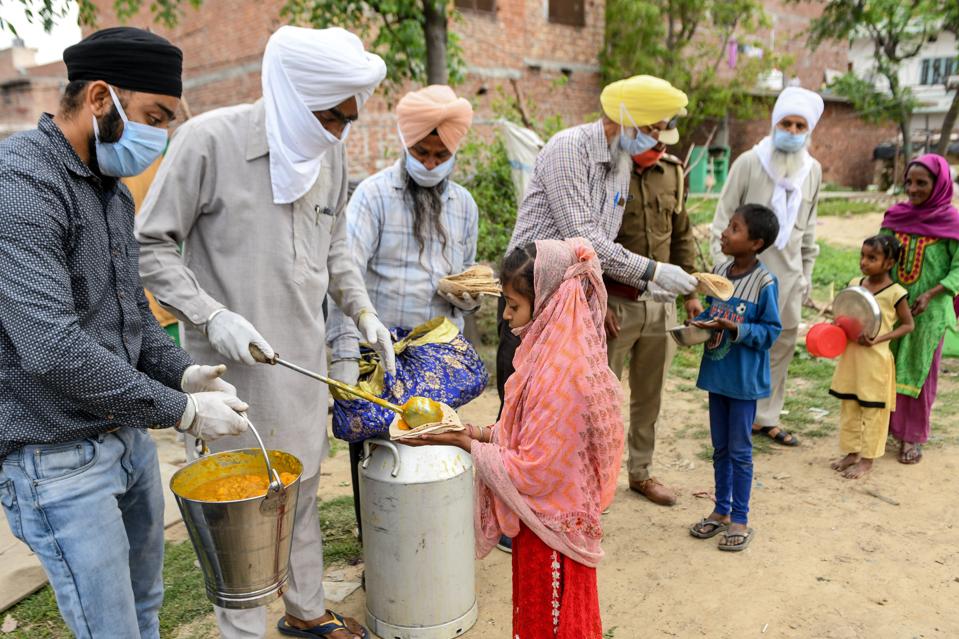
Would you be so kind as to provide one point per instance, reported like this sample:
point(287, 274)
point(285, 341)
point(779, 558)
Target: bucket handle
point(275, 484)
point(368, 445)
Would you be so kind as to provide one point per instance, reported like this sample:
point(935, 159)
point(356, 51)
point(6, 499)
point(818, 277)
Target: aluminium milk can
point(418, 540)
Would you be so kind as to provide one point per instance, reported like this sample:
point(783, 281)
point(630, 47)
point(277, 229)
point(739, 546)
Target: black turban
point(128, 58)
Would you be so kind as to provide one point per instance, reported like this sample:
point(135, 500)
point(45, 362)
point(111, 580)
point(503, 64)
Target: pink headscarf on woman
point(558, 446)
point(936, 217)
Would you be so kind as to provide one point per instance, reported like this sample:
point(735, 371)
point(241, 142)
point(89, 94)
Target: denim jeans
point(731, 427)
point(92, 512)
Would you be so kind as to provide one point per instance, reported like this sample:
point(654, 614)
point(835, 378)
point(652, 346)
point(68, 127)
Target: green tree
point(49, 12)
point(950, 13)
point(685, 42)
point(897, 29)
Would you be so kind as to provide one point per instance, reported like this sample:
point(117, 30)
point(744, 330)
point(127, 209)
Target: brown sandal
point(911, 456)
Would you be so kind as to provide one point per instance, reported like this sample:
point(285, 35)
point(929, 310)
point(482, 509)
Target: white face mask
point(428, 177)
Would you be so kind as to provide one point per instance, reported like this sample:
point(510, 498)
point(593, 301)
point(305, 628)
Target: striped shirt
point(574, 193)
point(400, 281)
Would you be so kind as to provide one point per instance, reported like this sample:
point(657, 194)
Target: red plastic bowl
point(826, 340)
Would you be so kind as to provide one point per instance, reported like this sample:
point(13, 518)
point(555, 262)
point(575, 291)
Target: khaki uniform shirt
point(655, 223)
point(749, 183)
point(271, 263)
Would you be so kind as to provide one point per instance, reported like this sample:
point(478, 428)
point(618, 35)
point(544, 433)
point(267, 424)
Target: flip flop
point(746, 537)
point(320, 631)
point(911, 456)
point(780, 437)
point(696, 530)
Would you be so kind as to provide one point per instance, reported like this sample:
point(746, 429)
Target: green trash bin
point(719, 166)
point(698, 169)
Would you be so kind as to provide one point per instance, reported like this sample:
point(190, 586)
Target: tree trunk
point(434, 30)
point(906, 141)
point(947, 124)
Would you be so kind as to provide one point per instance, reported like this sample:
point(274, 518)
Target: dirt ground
point(848, 231)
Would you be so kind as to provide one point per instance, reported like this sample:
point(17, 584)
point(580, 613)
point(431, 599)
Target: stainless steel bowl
point(689, 335)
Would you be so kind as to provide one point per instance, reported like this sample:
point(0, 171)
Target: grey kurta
point(271, 263)
point(749, 183)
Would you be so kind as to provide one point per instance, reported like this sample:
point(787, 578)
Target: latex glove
point(378, 336)
point(805, 288)
point(346, 371)
point(231, 335)
point(466, 303)
point(658, 294)
point(199, 378)
point(673, 279)
point(211, 415)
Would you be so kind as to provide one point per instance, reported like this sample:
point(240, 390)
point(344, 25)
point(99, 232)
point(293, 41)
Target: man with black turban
point(85, 366)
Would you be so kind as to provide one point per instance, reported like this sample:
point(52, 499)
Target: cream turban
point(307, 70)
point(435, 107)
point(798, 101)
point(642, 100)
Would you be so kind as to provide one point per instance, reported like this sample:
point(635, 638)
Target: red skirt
point(553, 596)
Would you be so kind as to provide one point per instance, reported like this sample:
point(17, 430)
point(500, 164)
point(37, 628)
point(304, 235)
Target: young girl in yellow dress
point(865, 379)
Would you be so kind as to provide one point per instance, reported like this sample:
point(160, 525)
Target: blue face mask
point(426, 177)
point(788, 142)
point(137, 148)
point(640, 144)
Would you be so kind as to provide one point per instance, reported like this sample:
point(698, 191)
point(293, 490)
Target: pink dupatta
point(556, 451)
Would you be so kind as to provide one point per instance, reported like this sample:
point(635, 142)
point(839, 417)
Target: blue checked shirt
point(80, 352)
point(401, 283)
point(573, 193)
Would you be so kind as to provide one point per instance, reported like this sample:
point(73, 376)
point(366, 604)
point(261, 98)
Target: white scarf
point(787, 193)
point(307, 70)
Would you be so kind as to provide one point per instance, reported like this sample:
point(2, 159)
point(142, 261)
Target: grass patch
point(835, 266)
point(338, 521)
point(835, 206)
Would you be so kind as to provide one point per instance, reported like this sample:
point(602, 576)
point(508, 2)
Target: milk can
point(418, 540)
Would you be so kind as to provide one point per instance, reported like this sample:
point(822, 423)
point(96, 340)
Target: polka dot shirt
point(80, 352)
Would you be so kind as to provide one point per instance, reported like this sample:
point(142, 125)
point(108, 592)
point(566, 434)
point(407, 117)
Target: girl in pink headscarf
point(927, 225)
point(547, 470)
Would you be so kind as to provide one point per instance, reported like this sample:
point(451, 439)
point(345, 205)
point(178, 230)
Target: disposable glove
point(466, 303)
point(231, 335)
point(674, 279)
point(211, 415)
point(199, 378)
point(658, 294)
point(346, 371)
point(377, 336)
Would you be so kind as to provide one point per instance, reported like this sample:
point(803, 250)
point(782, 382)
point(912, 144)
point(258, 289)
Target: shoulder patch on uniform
point(672, 159)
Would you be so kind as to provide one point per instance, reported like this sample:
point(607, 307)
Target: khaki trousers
point(642, 337)
point(780, 355)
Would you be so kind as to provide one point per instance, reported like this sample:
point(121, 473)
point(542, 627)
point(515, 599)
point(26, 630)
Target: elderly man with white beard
point(780, 173)
point(257, 193)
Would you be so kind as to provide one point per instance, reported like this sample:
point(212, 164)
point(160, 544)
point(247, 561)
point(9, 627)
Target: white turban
point(798, 101)
point(307, 70)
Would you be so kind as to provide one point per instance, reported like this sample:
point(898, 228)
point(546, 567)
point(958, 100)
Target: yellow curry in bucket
point(233, 475)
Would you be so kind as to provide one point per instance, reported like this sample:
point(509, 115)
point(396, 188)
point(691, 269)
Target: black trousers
point(508, 343)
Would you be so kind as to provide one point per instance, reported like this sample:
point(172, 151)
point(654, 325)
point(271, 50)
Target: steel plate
point(857, 307)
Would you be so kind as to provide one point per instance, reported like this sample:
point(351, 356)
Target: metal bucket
point(243, 545)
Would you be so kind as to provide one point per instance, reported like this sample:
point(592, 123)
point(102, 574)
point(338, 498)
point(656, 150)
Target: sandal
point(741, 541)
point(698, 529)
point(782, 437)
point(911, 456)
point(320, 631)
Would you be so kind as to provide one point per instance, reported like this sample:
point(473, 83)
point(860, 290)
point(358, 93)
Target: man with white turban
point(257, 194)
point(780, 173)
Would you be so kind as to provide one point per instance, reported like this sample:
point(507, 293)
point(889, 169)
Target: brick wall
point(27, 91)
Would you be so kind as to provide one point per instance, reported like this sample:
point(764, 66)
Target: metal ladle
point(416, 411)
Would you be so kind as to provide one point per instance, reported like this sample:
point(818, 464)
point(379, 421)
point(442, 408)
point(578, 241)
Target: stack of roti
point(451, 422)
point(476, 280)
point(715, 285)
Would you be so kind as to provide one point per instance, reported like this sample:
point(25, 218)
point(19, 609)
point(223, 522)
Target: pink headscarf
point(936, 217)
point(435, 107)
point(558, 446)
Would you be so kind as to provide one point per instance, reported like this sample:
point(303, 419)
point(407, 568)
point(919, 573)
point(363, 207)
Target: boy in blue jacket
point(735, 368)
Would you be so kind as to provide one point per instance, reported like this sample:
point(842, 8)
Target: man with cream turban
point(410, 225)
point(257, 194)
point(780, 173)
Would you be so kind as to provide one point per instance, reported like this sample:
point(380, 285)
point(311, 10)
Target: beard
point(110, 125)
point(621, 164)
point(786, 165)
point(426, 204)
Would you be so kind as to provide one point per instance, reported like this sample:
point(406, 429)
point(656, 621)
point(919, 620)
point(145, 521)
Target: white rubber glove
point(657, 293)
point(674, 279)
point(378, 336)
point(199, 378)
point(466, 303)
point(346, 370)
point(231, 335)
point(211, 415)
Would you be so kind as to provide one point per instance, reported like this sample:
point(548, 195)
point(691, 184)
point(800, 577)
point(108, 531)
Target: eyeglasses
point(336, 114)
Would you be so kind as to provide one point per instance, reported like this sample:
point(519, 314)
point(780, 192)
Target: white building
point(928, 75)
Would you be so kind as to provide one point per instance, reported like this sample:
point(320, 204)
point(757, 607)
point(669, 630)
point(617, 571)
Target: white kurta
point(271, 263)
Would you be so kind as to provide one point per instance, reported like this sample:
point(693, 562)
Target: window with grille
point(486, 6)
point(937, 70)
point(571, 12)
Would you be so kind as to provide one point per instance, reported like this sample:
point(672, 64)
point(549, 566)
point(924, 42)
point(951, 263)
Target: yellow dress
point(865, 379)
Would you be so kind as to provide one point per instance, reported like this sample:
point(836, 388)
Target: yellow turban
point(642, 100)
point(435, 107)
